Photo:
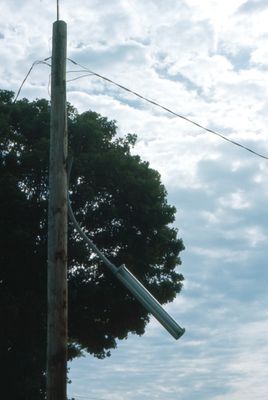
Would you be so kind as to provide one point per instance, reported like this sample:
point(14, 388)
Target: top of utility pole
point(58, 10)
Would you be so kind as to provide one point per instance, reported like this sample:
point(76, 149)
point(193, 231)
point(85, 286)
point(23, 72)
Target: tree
point(121, 203)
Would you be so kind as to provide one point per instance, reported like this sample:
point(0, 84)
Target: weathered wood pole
point(57, 223)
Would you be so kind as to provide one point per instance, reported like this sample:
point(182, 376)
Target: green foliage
point(121, 203)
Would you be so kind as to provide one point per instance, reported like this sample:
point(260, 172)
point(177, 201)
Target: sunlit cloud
point(206, 61)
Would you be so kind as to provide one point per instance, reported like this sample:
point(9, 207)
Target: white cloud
point(207, 61)
point(237, 200)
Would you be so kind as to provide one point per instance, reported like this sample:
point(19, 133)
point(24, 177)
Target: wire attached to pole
point(28, 73)
point(154, 103)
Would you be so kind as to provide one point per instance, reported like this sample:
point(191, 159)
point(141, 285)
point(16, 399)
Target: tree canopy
point(121, 203)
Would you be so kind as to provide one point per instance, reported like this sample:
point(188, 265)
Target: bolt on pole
point(57, 223)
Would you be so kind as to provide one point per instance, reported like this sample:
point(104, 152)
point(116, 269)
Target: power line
point(167, 109)
point(28, 73)
point(77, 396)
point(90, 73)
point(78, 77)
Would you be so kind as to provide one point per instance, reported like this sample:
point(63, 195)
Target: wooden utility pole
point(57, 223)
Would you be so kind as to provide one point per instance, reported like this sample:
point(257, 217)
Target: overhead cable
point(28, 73)
point(78, 77)
point(167, 109)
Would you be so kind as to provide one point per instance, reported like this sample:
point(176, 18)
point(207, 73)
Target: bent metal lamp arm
point(149, 302)
point(132, 284)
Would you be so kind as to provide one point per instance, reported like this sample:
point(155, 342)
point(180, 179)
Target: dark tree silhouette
point(121, 203)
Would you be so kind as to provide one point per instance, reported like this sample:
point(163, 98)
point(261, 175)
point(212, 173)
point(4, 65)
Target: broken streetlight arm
point(132, 283)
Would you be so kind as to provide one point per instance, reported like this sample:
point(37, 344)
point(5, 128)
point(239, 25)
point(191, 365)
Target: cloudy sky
point(209, 62)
